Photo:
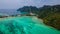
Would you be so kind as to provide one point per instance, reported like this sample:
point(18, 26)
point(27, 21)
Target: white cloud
point(20, 3)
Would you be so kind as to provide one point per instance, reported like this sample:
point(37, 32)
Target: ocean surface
point(9, 11)
point(25, 25)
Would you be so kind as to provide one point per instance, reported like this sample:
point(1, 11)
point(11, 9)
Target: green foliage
point(51, 16)
point(28, 9)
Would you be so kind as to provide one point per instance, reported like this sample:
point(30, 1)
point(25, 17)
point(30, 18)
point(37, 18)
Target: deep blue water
point(9, 11)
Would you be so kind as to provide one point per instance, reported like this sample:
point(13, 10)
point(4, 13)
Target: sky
point(15, 4)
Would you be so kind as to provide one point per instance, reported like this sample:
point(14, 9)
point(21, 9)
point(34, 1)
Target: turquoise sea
point(25, 25)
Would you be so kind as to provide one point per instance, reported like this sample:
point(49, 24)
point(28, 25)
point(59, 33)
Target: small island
point(49, 14)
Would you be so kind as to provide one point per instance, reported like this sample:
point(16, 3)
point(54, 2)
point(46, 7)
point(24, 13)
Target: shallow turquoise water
point(25, 25)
